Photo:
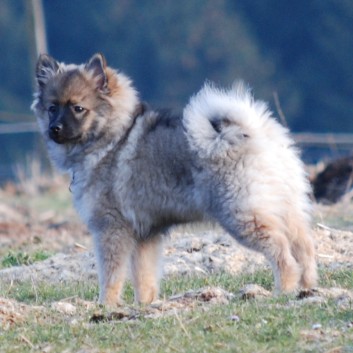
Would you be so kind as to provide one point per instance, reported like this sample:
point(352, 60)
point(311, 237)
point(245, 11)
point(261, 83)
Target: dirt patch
point(13, 312)
point(206, 252)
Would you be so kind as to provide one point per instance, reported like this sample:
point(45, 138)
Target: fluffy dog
point(136, 172)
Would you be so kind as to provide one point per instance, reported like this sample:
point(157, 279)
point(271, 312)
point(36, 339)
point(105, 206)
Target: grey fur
point(136, 172)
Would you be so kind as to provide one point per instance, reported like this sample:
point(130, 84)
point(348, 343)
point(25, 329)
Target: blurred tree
point(302, 50)
point(15, 70)
point(312, 42)
point(200, 40)
point(169, 47)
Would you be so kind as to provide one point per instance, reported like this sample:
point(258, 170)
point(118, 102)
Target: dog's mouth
point(62, 139)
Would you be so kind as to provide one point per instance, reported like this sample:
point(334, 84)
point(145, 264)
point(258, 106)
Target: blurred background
point(297, 55)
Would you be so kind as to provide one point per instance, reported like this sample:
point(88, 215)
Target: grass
point(23, 258)
point(337, 216)
point(57, 200)
point(262, 325)
point(39, 193)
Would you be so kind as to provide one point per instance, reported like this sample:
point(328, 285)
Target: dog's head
point(74, 103)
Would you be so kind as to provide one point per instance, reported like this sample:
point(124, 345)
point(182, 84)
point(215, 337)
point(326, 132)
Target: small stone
point(64, 308)
point(235, 318)
point(251, 291)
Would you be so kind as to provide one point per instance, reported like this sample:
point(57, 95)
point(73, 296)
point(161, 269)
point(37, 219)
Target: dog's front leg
point(146, 269)
point(113, 250)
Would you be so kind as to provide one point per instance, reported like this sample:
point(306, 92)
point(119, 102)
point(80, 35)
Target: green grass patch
point(342, 278)
point(259, 329)
point(276, 324)
point(43, 293)
point(23, 258)
point(231, 283)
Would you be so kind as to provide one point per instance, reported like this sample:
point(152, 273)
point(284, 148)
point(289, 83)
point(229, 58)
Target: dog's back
point(154, 174)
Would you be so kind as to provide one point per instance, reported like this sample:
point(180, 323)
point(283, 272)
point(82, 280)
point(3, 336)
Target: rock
point(64, 308)
point(251, 291)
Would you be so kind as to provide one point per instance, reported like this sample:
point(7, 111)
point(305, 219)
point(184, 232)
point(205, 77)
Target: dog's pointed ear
point(46, 68)
point(97, 65)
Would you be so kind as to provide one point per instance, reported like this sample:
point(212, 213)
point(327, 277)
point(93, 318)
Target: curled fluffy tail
point(217, 120)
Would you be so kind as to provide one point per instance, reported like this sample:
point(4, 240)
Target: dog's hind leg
point(264, 235)
point(146, 269)
point(303, 250)
point(276, 249)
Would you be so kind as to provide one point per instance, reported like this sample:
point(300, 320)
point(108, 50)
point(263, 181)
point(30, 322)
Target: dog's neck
point(83, 158)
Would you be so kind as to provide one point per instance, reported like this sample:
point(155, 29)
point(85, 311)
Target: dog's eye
point(78, 109)
point(53, 109)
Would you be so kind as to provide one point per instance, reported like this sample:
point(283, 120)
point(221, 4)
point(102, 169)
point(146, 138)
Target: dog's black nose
point(55, 129)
